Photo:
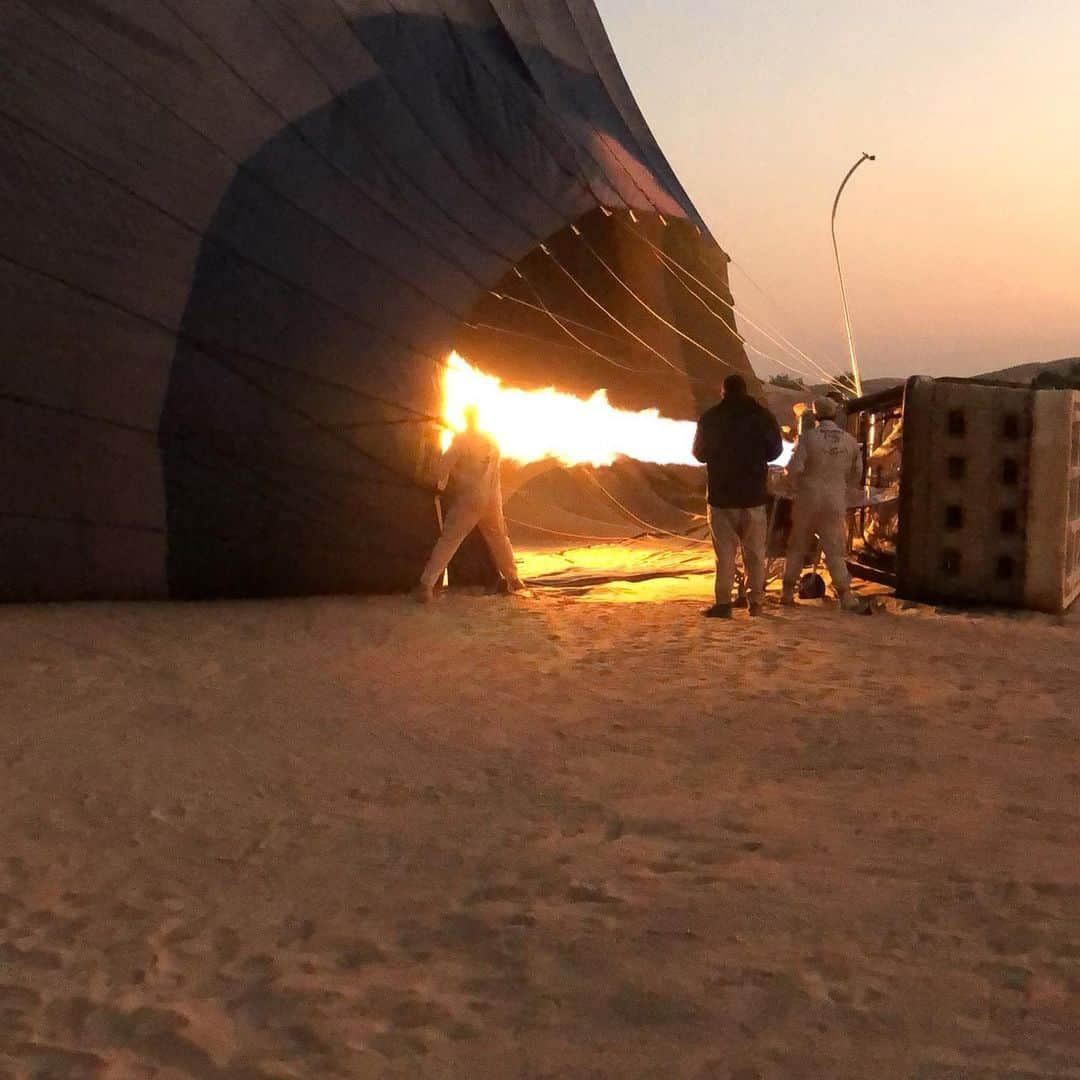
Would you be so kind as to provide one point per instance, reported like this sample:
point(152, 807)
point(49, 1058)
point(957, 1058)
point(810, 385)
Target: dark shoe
point(718, 611)
point(755, 610)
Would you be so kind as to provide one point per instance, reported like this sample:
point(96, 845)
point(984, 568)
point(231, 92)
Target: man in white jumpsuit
point(827, 464)
point(473, 463)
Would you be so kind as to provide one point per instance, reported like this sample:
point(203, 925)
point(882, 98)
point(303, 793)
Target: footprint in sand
point(394, 1045)
point(497, 893)
point(18, 1007)
point(45, 1062)
point(296, 931)
point(10, 907)
point(41, 959)
point(360, 954)
point(642, 1007)
point(591, 894)
point(155, 1036)
point(16, 870)
point(411, 1022)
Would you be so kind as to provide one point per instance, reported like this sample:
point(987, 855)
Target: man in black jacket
point(736, 440)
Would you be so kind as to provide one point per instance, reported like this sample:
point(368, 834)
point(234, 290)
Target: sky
point(960, 243)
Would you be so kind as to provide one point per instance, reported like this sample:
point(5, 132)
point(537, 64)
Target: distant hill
point(781, 400)
point(1021, 374)
point(1024, 373)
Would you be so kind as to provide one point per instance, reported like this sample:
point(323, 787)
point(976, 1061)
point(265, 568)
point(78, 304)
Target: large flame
point(530, 425)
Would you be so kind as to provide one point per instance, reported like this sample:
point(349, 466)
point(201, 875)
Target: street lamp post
point(855, 373)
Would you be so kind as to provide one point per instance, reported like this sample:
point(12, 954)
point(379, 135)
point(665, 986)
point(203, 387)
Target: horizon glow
point(960, 244)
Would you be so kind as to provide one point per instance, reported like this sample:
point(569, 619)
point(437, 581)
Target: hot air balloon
point(240, 239)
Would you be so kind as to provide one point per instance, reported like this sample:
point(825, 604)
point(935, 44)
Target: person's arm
point(855, 475)
point(797, 465)
point(774, 439)
point(446, 465)
point(701, 439)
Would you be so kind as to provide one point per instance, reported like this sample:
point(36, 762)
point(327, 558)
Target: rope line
point(569, 333)
point(747, 344)
point(574, 536)
point(653, 312)
point(818, 372)
point(629, 513)
point(742, 270)
point(669, 261)
point(581, 348)
point(592, 299)
point(764, 330)
point(566, 318)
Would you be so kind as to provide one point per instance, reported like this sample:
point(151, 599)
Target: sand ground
point(558, 836)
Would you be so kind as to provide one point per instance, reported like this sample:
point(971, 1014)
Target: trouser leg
point(832, 528)
point(752, 536)
point(493, 529)
point(725, 540)
point(802, 530)
point(460, 521)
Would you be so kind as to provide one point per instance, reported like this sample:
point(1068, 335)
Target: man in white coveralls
point(827, 463)
point(473, 463)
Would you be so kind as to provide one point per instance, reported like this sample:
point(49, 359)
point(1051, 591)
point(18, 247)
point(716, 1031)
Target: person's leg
point(493, 529)
point(832, 528)
point(752, 534)
point(725, 539)
point(798, 541)
point(461, 519)
point(740, 579)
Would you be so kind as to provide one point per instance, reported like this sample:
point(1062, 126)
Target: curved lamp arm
point(855, 373)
